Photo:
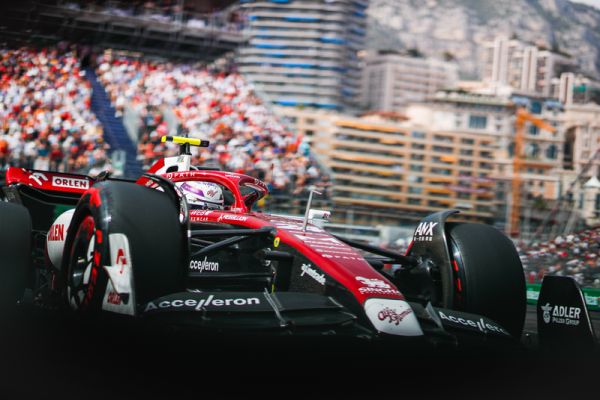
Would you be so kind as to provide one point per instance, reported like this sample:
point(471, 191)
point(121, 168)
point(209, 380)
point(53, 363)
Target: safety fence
point(592, 296)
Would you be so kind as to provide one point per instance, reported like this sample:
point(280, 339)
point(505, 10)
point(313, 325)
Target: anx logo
point(306, 269)
point(424, 232)
point(563, 315)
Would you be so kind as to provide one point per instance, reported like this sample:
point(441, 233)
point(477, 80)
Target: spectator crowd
point(45, 116)
point(576, 255)
point(46, 121)
point(245, 136)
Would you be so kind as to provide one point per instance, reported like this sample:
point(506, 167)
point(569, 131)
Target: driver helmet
point(203, 195)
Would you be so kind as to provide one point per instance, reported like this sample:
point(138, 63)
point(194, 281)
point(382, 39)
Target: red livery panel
point(45, 180)
point(337, 259)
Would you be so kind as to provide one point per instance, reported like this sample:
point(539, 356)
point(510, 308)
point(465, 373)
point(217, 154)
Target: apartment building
point(392, 80)
point(305, 52)
point(390, 170)
point(581, 159)
point(523, 66)
point(573, 88)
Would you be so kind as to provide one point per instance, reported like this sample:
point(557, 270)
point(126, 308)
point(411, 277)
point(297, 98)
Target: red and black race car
point(137, 248)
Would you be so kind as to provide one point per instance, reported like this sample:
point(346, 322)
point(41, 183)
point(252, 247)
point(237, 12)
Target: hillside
point(458, 27)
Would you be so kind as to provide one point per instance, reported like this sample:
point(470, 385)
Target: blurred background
point(393, 109)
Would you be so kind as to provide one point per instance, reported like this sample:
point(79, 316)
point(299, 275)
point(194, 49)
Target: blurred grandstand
point(49, 118)
point(159, 82)
point(245, 135)
point(576, 255)
point(45, 116)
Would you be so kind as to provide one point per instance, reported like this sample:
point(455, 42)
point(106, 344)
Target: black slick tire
point(149, 219)
point(15, 253)
point(488, 275)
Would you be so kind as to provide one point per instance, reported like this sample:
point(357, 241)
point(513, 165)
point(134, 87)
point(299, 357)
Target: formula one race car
point(143, 249)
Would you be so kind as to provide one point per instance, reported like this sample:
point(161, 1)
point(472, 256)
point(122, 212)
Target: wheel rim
point(82, 265)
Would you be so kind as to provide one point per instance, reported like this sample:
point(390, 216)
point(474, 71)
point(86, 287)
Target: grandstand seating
point(45, 116)
point(221, 106)
point(114, 131)
point(576, 255)
point(245, 135)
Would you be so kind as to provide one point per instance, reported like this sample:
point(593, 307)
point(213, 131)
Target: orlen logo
point(72, 183)
point(57, 232)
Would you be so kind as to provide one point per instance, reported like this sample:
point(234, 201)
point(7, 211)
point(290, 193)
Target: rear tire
point(149, 220)
point(488, 275)
point(15, 253)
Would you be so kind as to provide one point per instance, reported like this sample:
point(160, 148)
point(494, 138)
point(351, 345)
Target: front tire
point(149, 222)
point(15, 253)
point(488, 276)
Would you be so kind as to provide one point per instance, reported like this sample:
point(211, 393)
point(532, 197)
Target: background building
point(390, 170)
point(581, 123)
point(523, 66)
point(392, 79)
point(305, 52)
point(575, 88)
point(457, 112)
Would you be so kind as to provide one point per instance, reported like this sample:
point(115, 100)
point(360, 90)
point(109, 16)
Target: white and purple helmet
point(204, 195)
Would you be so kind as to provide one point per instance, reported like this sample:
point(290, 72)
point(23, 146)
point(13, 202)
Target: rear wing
point(52, 181)
point(45, 194)
point(563, 320)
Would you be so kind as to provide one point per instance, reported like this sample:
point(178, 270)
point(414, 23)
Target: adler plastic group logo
point(563, 315)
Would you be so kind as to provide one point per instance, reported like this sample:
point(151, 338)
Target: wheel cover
point(83, 265)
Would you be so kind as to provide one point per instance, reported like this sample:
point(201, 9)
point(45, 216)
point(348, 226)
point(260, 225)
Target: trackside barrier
point(592, 296)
